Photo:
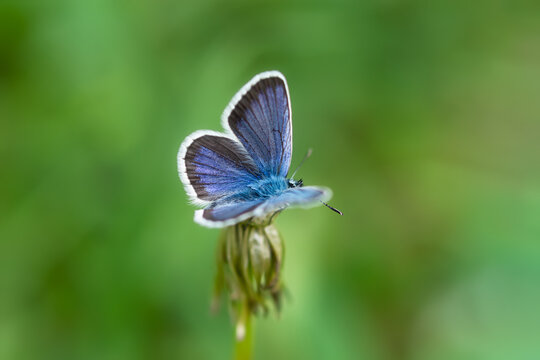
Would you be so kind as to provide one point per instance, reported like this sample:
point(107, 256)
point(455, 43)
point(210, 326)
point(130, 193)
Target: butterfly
point(242, 173)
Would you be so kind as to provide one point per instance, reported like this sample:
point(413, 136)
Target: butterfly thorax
point(260, 189)
point(268, 187)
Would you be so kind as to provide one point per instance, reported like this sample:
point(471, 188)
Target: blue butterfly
point(242, 173)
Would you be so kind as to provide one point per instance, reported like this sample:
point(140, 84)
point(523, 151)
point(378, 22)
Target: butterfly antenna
point(308, 154)
point(332, 208)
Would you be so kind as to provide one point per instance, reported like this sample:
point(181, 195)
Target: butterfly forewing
point(260, 117)
point(215, 166)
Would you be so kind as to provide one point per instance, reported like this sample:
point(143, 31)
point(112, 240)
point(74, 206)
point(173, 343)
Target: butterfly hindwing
point(260, 117)
point(227, 214)
point(213, 166)
point(232, 213)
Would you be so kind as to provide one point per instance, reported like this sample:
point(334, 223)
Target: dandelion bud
point(250, 257)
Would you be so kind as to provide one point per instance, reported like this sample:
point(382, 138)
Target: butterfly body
point(242, 173)
point(270, 186)
point(261, 190)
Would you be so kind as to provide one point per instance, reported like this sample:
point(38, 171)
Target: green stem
point(243, 347)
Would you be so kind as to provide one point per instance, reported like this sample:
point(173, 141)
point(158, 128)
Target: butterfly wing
point(233, 213)
point(227, 214)
point(307, 196)
point(259, 115)
point(212, 166)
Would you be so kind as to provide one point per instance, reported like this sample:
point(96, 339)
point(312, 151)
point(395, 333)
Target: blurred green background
point(424, 117)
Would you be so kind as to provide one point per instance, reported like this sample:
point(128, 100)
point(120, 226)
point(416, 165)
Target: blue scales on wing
point(217, 166)
point(306, 196)
point(261, 120)
point(230, 213)
point(237, 210)
point(295, 197)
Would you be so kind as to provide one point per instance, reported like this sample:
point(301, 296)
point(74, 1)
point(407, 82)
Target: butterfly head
point(293, 183)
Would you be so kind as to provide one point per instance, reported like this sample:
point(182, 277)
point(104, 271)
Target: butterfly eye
point(293, 183)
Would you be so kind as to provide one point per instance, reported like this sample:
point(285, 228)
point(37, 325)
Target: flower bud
point(250, 257)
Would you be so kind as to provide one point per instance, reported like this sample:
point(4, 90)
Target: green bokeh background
point(424, 118)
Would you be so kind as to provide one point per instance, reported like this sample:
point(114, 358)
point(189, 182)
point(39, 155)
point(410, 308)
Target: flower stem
point(244, 337)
